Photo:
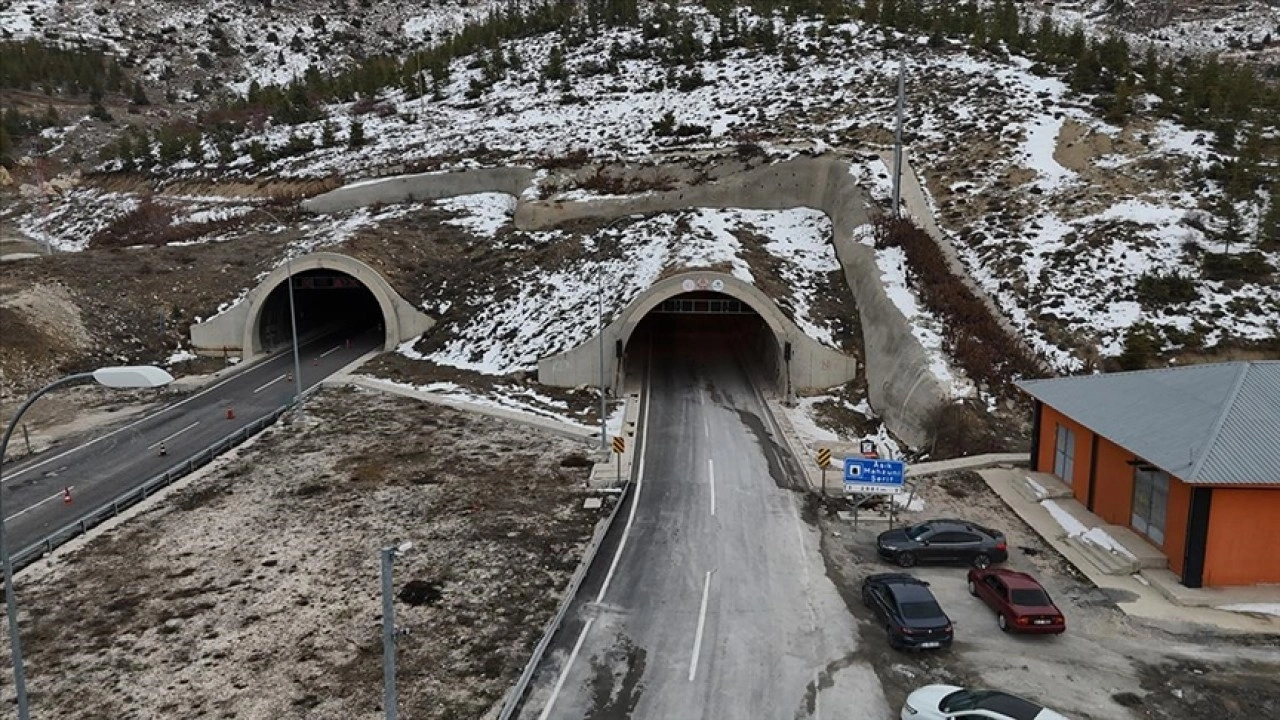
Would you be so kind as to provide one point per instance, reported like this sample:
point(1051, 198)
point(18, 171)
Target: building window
point(1150, 502)
point(1064, 453)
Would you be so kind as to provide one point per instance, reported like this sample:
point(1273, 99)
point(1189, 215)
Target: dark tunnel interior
point(327, 302)
point(706, 327)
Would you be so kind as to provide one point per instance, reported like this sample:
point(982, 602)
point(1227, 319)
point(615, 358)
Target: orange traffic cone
point(66, 495)
point(231, 414)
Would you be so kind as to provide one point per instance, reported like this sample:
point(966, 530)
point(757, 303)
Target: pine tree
point(1269, 229)
point(355, 134)
point(139, 96)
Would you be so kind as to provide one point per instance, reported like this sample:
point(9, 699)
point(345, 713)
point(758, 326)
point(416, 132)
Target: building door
point(1150, 502)
point(1064, 453)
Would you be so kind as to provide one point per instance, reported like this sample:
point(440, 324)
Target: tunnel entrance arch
point(798, 362)
point(316, 273)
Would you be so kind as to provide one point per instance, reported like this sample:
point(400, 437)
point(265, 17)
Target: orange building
point(1187, 457)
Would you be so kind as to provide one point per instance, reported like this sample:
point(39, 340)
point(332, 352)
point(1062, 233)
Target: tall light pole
point(389, 700)
point(138, 376)
point(604, 432)
point(897, 139)
point(293, 327)
point(293, 322)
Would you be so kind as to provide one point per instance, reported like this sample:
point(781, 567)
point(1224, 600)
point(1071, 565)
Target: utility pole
point(293, 325)
point(604, 440)
point(389, 631)
point(897, 140)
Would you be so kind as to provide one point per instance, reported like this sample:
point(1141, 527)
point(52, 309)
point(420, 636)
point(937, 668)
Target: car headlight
point(889, 547)
point(906, 707)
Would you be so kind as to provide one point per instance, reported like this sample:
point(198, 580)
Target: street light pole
point(140, 376)
point(604, 441)
point(293, 326)
point(389, 700)
point(897, 140)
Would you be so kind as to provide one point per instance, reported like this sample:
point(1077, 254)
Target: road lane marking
point(564, 674)
point(711, 474)
point(635, 502)
point(332, 349)
point(817, 694)
point(153, 445)
point(635, 499)
point(268, 384)
point(28, 509)
point(702, 623)
point(706, 428)
point(234, 376)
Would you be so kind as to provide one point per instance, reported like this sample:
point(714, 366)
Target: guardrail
point(112, 508)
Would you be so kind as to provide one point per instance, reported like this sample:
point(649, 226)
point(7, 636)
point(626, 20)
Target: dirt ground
point(253, 591)
point(1106, 667)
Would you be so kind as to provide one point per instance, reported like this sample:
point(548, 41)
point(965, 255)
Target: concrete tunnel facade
point(238, 329)
point(811, 365)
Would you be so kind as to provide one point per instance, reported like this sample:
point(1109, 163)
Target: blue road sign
point(872, 475)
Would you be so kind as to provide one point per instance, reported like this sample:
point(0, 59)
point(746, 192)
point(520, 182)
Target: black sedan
point(911, 615)
point(943, 541)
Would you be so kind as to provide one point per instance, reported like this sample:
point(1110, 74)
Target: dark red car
point(1021, 604)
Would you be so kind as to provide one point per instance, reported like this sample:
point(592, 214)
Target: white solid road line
point(706, 428)
point(711, 474)
point(332, 349)
point(635, 502)
point(817, 696)
point(24, 511)
point(564, 674)
point(155, 444)
point(702, 622)
point(268, 384)
point(19, 473)
point(635, 499)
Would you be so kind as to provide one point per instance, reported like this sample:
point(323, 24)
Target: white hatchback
point(949, 702)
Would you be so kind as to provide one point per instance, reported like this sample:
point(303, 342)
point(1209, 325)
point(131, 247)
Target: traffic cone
point(288, 377)
point(231, 414)
point(163, 450)
point(66, 495)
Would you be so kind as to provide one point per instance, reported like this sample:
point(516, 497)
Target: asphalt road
point(109, 465)
point(709, 598)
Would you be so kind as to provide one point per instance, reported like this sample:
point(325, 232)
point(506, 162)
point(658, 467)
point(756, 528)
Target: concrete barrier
point(901, 386)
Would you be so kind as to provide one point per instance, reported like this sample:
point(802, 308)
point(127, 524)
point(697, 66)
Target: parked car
point(943, 540)
point(949, 702)
point(911, 615)
point(1021, 604)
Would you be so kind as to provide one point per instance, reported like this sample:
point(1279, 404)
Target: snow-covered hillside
point(1055, 212)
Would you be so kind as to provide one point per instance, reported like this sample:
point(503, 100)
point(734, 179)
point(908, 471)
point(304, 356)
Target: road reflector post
point(824, 460)
point(619, 447)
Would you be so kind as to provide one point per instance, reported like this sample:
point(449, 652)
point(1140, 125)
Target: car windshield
point(921, 610)
point(1009, 705)
point(1030, 597)
point(915, 532)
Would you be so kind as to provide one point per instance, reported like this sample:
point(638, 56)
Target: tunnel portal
point(707, 327)
point(326, 302)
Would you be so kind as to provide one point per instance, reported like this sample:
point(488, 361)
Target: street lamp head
point(404, 546)
point(132, 376)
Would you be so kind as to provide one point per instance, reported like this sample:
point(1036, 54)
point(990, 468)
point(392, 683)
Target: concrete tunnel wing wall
point(236, 330)
point(812, 366)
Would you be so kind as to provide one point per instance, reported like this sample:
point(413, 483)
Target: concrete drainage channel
point(112, 508)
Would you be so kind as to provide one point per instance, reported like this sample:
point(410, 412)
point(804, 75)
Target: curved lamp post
point(136, 376)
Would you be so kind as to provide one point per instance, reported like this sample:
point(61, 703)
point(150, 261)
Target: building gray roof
point(1216, 424)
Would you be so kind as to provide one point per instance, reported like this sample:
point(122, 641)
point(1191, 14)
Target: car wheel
point(866, 597)
point(973, 589)
point(893, 637)
point(906, 559)
point(982, 561)
point(1003, 622)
